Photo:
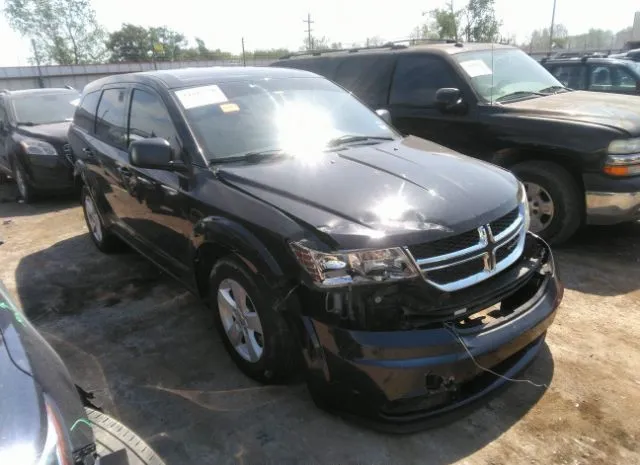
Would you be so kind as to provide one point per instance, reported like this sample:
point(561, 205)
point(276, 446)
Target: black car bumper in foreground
point(406, 380)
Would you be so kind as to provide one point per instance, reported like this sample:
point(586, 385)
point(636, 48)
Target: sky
point(279, 23)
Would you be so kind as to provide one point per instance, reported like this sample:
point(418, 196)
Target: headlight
point(37, 147)
point(524, 205)
point(355, 267)
point(624, 146)
point(56, 450)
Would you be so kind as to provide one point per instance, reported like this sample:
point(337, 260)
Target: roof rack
point(392, 45)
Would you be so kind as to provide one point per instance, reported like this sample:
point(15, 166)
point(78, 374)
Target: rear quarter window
point(85, 114)
point(367, 76)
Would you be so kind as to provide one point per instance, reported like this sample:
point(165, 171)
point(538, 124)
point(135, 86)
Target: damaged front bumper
point(420, 373)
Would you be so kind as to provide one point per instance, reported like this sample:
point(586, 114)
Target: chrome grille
point(466, 259)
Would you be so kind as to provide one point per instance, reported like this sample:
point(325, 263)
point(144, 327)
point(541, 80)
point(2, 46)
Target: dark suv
point(319, 235)
point(578, 153)
point(33, 139)
point(601, 74)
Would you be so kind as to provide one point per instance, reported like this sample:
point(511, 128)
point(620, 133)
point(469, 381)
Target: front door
point(159, 198)
point(416, 79)
point(612, 78)
point(4, 139)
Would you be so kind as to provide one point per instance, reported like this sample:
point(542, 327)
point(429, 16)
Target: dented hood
point(617, 111)
point(390, 193)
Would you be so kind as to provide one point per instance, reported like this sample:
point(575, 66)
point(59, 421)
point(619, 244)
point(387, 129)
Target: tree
point(167, 43)
point(446, 21)
point(129, 44)
point(374, 41)
point(64, 32)
point(481, 23)
point(317, 43)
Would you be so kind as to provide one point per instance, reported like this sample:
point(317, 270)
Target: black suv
point(33, 139)
point(578, 153)
point(602, 74)
point(319, 235)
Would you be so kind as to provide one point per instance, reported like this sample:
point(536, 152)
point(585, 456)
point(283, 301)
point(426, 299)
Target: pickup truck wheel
point(254, 333)
point(112, 436)
point(104, 240)
point(555, 200)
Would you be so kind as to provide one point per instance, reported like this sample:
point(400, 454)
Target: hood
point(393, 193)
point(23, 417)
point(620, 112)
point(51, 132)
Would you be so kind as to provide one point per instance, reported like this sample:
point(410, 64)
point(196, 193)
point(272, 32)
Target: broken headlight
point(354, 267)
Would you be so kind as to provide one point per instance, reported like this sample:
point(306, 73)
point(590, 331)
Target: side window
point(623, 79)
point(367, 76)
point(150, 118)
point(3, 113)
point(600, 78)
point(418, 77)
point(110, 120)
point(85, 115)
point(572, 76)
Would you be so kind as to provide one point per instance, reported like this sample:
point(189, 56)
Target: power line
point(308, 31)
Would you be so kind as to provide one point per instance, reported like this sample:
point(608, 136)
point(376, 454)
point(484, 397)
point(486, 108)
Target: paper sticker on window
point(229, 107)
point(201, 96)
point(475, 68)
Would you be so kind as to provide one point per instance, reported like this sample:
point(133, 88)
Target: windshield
point(498, 73)
point(45, 108)
point(299, 115)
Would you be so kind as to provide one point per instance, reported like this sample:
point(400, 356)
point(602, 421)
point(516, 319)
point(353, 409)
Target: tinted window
point(324, 66)
point(45, 108)
point(607, 78)
point(85, 115)
point(417, 78)
point(367, 76)
point(3, 113)
point(572, 76)
point(110, 122)
point(150, 118)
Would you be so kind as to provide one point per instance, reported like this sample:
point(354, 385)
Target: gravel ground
point(149, 351)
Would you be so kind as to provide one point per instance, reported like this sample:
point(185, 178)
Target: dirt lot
point(149, 351)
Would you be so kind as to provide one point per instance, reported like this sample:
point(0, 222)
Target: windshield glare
point(45, 109)
point(296, 115)
point(496, 73)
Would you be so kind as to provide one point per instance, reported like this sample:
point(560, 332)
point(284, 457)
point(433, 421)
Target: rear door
point(415, 81)
point(368, 76)
point(4, 138)
point(109, 149)
point(571, 75)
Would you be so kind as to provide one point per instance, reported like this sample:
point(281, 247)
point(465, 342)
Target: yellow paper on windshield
point(229, 107)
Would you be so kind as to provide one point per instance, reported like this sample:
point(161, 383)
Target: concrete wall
point(77, 76)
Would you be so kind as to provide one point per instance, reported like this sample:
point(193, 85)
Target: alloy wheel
point(240, 320)
point(93, 219)
point(541, 206)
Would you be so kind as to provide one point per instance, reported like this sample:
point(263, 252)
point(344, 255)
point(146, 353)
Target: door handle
point(87, 151)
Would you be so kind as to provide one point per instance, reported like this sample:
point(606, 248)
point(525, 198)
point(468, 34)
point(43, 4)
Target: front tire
point(556, 203)
point(111, 436)
point(27, 193)
point(254, 333)
point(104, 240)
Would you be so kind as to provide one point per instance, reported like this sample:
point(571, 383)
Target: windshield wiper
point(519, 94)
point(554, 90)
point(349, 138)
point(249, 156)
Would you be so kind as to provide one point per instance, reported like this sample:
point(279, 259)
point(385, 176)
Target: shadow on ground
point(149, 351)
point(11, 206)
point(602, 260)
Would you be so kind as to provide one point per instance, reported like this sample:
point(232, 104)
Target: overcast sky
point(279, 23)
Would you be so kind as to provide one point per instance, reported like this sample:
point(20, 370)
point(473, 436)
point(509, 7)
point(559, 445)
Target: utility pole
point(309, 23)
point(553, 25)
point(244, 59)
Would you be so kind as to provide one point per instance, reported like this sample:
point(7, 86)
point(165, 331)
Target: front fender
point(236, 238)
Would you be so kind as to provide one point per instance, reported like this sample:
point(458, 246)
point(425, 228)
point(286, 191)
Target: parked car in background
point(44, 418)
point(320, 235)
point(33, 139)
point(633, 54)
point(597, 74)
point(576, 152)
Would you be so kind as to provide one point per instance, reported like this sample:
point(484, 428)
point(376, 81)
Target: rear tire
point(111, 436)
point(104, 240)
point(551, 188)
point(269, 355)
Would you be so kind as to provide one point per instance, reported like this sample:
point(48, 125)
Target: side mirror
point(384, 114)
point(449, 100)
point(153, 153)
